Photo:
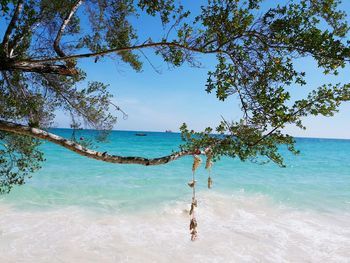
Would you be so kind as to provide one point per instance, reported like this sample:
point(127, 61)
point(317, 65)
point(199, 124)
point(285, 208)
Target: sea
point(77, 209)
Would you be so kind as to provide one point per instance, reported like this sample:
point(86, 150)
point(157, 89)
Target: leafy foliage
point(19, 157)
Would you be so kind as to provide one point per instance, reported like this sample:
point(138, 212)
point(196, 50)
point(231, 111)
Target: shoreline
point(231, 229)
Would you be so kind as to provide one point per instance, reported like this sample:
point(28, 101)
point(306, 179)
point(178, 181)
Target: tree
point(256, 52)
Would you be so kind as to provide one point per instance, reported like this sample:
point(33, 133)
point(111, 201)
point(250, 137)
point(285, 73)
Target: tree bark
point(128, 48)
point(79, 149)
point(45, 65)
point(38, 68)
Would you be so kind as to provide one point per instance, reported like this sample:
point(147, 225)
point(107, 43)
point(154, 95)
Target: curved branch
point(56, 44)
point(79, 149)
point(5, 41)
point(123, 49)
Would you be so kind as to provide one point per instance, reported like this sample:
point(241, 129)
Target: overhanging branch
point(123, 49)
point(79, 149)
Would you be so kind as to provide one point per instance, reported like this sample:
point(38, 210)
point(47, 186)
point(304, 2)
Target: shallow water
point(81, 210)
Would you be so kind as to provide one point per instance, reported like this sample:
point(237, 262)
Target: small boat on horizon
point(168, 131)
point(140, 134)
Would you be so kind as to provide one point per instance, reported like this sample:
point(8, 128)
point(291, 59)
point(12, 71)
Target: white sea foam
point(231, 229)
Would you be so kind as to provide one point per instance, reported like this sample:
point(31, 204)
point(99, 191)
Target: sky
point(163, 101)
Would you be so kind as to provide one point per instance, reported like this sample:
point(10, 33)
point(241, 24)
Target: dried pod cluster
point(193, 228)
point(191, 183)
point(210, 182)
point(193, 221)
point(193, 205)
point(208, 165)
point(209, 162)
point(196, 162)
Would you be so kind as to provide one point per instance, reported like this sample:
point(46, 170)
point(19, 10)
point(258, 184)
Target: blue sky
point(156, 102)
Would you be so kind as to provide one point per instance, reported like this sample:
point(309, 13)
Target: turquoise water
point(77, 209)
point(318, 178)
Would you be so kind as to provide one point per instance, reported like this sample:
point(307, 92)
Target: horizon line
point(177, 132)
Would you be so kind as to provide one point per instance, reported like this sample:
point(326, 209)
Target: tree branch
point(56, 44)
point(19, 38)
point(79, 149)
point(38, 68)
point(281, 124)
point(123, 49)
point(45, 65)
point(5, 41)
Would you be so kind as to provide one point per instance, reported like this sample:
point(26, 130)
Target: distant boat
point(168, 131)
point(140, 134)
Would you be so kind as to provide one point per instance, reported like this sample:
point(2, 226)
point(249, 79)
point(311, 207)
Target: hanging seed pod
point(194, 202)
point(194, 235)
point(208, 163)
point(193, 224)
point(192, 209)
point(210, 182)
point(193, 205)
point(196, 162)
point(191, 183)
point(193, 229)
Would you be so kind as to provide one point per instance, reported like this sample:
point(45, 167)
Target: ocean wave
point(237, 228)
